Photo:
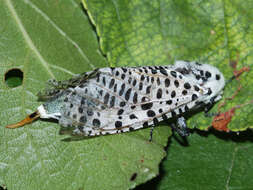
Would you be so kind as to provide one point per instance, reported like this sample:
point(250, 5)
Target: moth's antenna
point(29, 119)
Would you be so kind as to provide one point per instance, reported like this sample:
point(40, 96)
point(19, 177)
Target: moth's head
point(206, 76)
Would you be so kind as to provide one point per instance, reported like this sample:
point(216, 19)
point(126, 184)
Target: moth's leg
point(180, 127)
point(208, 107)
point(151, 133)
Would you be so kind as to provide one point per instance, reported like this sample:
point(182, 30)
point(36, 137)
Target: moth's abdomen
point(122, 99)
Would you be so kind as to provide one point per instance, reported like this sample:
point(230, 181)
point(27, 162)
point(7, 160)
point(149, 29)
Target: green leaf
point(54, 39)
point(211, 162)
point(160, 32)
point(47, 39)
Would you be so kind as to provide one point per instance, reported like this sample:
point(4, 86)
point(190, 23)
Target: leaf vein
point(47, 18)
point(27, 38)
point(231, 168)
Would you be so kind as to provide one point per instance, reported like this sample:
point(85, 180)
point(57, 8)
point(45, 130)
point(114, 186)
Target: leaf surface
point(58, 42)
point(160, 32)
point(210, 161)
point(54, 39)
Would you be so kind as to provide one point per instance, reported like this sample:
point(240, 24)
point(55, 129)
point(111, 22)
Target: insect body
point(115, 100)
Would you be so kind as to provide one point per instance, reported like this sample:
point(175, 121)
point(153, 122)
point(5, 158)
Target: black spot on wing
point(82, 119)
point(159, 93)
point(148, 89)
point(96, 123)
point(118, 124)
point(112, 102)
point(111, 83)
point(133, 116)
point(122, 89)
point(106, 98)
point(194, 97)
point(122, 104)
point(196, 88)
point(80, 109)
point(163, 71)
point(167, 82)
point(208, 74)
point(128, 93)
point(146, 106)
point(173, 94)
point(135, 98)
point(140, 86)
point(176, 83)
point(187, 85)
point(123, 76)
point(120, 112)
point(150, 113)
point(173, 73)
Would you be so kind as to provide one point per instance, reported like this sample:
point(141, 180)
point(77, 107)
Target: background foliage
point(56, 39)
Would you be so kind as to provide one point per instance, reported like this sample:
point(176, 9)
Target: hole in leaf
point(13, 78)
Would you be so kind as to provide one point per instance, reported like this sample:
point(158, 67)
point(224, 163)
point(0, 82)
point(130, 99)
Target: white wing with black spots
point(115, 100)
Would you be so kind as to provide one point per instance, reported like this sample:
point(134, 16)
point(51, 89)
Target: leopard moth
point(115, 100)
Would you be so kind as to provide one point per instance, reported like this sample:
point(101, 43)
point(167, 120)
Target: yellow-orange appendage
point(29, 119)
